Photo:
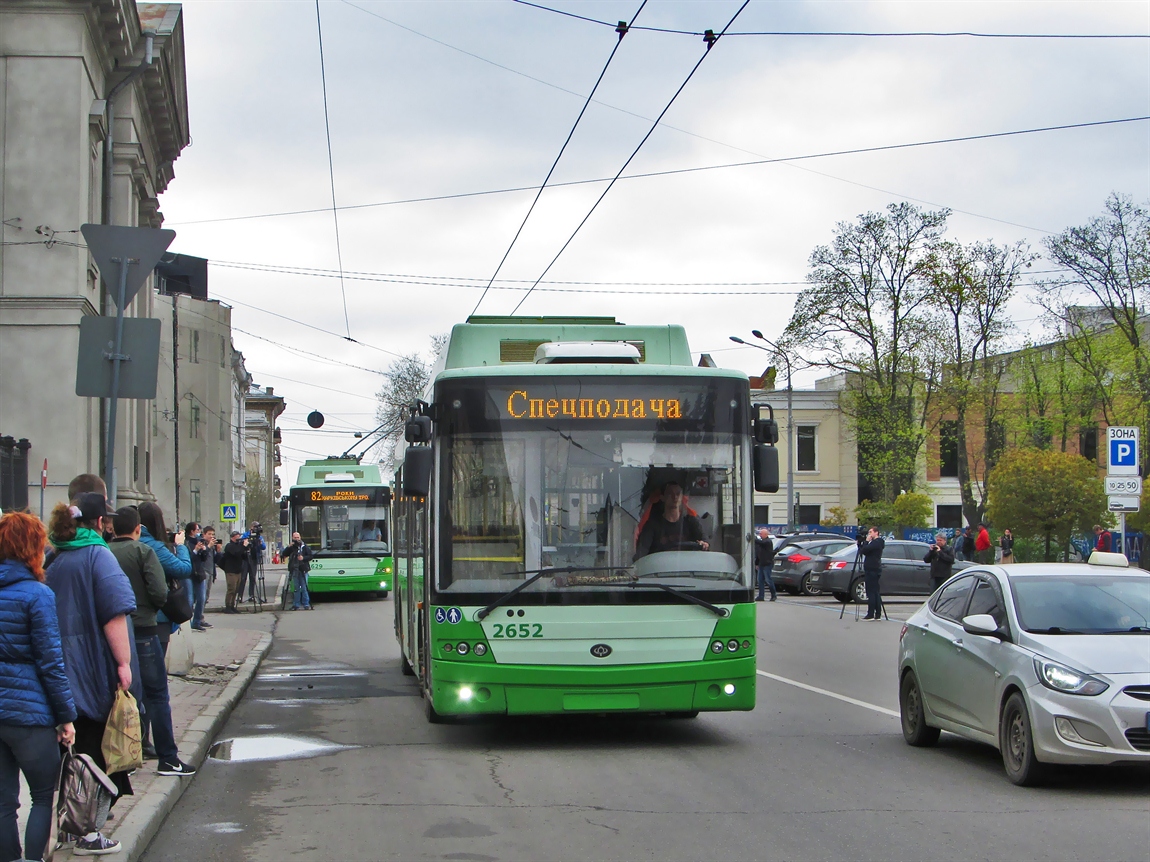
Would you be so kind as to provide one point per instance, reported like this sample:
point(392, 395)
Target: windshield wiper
point(1130, 631)
point(715, 609)
point(536, 574)
point(1054, 630)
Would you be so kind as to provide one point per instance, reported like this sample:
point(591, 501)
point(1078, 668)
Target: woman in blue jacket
point(36, 707)
point(176, 559)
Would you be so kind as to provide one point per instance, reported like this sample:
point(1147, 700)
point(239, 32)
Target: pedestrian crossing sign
point(228, 512)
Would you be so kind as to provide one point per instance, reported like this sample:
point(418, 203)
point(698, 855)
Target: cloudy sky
point(469, 101)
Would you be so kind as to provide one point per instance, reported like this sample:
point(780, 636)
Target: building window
point(148, 468)
point(809, 515)
point(949, 516)
point(223, 429)
point(194, 421)
point(805, 449)
point(762, 516)
point(196, 500)
point(222, 500)
point(194, 346)
point(135, 463)
point(948, 448)
point(1088, 443)
point(223, 352)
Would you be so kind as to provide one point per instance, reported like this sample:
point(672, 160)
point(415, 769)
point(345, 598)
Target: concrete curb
point(143, 821)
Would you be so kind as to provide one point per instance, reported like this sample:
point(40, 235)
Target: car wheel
point(842, 597)
point(915, 730)
point(381, 594)
point(858, 590)
point(1016, 742)
point(807, 590)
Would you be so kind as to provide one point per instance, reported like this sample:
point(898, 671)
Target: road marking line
point(835, 695)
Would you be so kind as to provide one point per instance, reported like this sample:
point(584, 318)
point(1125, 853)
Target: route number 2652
point(522, 630)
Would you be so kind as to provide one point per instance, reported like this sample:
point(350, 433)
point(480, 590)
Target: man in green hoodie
point(143, 569)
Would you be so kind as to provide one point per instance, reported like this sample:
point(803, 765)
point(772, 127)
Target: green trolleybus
point(574, 530)
point(341, 508)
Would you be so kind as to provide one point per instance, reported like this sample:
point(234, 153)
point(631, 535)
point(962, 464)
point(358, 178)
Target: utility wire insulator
point(621, 30)
point(710, 38)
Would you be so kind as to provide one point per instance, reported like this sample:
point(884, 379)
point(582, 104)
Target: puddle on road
point(245, 749)
point(224, 828)
point(312, 674)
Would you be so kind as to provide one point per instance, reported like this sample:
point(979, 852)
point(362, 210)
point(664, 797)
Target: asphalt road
point(818, 771)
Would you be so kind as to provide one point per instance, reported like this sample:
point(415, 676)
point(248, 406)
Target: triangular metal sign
point(140, 247)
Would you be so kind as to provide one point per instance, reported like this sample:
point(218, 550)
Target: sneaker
point(309, 608)
point(65, 840)
point(198, 629)
point(206, 625)
point(178, 768)
point(98, 846)
point(774, 598)
point(867, 618)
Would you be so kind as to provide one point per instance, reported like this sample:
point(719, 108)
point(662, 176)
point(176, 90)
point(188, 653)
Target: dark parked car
point(903, 572)
point(795, 562)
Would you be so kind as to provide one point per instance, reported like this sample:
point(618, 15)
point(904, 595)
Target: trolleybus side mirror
point(386, 496)
point(417, 429)
point(283, 517)
point(766, 468)
point(765, 429)
point(417, 464)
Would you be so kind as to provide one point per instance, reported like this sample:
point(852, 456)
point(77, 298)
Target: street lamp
point(775, 350)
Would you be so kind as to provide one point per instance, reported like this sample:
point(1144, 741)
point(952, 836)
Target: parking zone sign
point(1122, 448)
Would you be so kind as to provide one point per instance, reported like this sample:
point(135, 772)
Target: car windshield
point(627, 500)
point(1082, 604)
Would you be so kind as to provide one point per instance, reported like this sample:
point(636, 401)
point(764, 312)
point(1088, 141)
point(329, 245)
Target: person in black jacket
point(764, 561)
point(871, 550)
point(941, 559)
point(298, 556)
point(235, 557)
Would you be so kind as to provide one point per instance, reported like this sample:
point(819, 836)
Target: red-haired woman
point(36, 708)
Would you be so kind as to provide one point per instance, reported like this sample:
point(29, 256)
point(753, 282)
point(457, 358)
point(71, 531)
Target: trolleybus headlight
point(717, 647)
point(732, 644)
point(729, 688)
point(448, 648)
point(465, 693)
point(481, 649)
point(463, 648)
point(387, 569)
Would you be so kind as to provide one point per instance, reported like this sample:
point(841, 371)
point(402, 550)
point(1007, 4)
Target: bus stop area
point(226, 659)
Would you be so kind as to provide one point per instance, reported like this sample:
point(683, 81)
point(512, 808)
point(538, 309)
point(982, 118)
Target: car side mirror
point(981, 624)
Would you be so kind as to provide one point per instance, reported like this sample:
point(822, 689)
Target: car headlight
point(1062, 678)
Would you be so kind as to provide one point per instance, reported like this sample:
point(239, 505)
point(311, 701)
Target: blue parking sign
point(1122, 451)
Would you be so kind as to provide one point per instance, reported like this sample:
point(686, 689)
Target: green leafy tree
point(864, 315)
point(1045, 494)
point(913, 510)
point(876, 514)
point(836, 516)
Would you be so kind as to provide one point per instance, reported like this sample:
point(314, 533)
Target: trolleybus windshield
point(348, 519)
point(579, 474)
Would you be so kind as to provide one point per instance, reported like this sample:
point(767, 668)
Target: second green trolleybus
point(341, 508)
point(574, 531)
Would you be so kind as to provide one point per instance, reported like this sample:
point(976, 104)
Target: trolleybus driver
point(670, 526)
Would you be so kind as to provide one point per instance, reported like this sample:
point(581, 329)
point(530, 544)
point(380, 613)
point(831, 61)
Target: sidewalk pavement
point(226, 658)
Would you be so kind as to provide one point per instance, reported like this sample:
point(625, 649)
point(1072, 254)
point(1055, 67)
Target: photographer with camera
point(298, 556)
point(870, 549)
point(254, 542)
point(235, 554)
point(941, 559)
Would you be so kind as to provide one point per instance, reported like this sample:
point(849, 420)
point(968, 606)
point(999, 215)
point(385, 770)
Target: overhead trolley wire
point(675, 171)
point(331, 168)
point(848, 33)
point(621, 29)
point(711, 38)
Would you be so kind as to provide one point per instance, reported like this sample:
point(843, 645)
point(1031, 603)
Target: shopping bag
point(122, 745)
point(86, 795)
point(181, 654)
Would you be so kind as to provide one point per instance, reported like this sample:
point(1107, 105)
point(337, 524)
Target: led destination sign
point(345, 495)
point(521, 404)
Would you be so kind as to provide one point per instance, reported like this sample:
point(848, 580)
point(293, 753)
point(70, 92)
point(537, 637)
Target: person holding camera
point(299, 556)
point(870, 549)
point(254, 542)
point(203, 550)
point(235, 554)
point(941, 559)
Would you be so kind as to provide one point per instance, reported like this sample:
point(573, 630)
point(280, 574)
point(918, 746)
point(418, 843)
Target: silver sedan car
point(1048, 662)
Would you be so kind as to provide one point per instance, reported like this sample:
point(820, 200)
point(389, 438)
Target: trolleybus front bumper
point(466, 688)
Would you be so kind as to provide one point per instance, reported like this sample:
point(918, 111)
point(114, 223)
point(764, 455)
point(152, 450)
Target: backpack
point(86, 795)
